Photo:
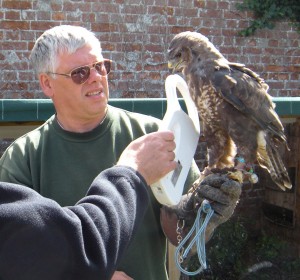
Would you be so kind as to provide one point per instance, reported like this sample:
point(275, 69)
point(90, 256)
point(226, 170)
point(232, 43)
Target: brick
point(154, 48)
point(102, 18)
point(55, 6)
point(12, 15)
point(275, 84)
point(74, 17)
point(161, 10)
point(18, 5)
point(28, 14)
point(199, 4)
point(104, 27)
point(12, 36)
point(154, 68)
point(43, 25)
point(273, 43)
point(174, 3)
point(231, 23)
point(292, 85)
point(26, 75)
point(227, 49)
point(211, 4)
point(294, 93)
point(295, 76)
point(58, 16)
point(178, 29)
point(294, 68)
point(76, 7)
point(212, 13)
point(13, 46)
point(129, 18)
point(228, 32)
point(134, 9)
point(14, 25)
point(274, 51)
point(254, 51)
point(44, 15)
point(276, 68)
point(27, 95)
point(89, 17)
point(185, 12)
point(222, 5)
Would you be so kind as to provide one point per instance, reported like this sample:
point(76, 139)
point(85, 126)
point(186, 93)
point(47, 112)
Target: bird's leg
point(206, 171)
point(241, 164)
point(244, 171)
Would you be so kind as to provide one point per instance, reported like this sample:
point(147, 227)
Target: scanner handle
point(172, 83)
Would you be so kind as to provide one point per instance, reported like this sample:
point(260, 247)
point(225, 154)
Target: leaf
point(267, 12)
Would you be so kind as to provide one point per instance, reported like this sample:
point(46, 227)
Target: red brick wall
point(136, 34)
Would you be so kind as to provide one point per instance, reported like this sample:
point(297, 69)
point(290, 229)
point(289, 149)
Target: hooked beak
point(173, 68)
point(170, 67)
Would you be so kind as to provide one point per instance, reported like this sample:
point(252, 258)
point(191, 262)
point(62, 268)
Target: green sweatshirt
point(61, 165)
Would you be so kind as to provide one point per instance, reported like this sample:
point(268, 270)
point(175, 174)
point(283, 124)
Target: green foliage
point(233, 250)
point(225, 252)
point(267, 12)
point(269, 247)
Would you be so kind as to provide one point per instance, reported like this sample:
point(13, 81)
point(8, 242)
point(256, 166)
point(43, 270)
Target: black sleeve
point(39, 240)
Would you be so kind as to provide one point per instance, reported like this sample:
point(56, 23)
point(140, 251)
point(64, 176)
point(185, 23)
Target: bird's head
point(187, 48)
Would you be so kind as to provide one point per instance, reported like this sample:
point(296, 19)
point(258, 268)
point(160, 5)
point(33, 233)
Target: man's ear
point(46, 84)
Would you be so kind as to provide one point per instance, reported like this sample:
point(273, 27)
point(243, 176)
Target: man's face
point(79, 102)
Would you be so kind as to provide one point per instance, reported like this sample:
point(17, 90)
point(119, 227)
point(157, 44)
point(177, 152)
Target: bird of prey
point(240, 124)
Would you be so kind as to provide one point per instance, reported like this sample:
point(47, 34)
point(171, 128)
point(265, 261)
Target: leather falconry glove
point(223, 194)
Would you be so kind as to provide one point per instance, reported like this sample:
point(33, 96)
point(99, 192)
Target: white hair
point(57, 40)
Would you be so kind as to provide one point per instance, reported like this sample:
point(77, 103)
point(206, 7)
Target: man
point(84, 137)
point(41, 240)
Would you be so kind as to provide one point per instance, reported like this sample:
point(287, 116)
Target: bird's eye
point(178, 55)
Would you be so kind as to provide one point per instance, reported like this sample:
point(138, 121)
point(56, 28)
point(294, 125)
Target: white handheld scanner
point(186, 129)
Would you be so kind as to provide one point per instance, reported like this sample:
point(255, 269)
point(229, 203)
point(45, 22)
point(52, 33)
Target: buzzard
point(239, 120)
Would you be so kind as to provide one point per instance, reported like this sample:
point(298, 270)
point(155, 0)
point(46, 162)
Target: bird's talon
point(236, 175)
point(242, 176)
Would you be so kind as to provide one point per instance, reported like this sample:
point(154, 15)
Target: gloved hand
point(220, 190)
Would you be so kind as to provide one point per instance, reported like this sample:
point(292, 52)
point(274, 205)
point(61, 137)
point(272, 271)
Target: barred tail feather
point(277, 169)
point(269, 158)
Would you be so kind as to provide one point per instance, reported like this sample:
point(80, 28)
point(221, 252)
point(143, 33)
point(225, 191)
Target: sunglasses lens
point(80, 75)
point(103, 68)
point(107, 65)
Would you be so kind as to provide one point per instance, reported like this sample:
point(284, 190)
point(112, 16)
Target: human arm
point(41, 240)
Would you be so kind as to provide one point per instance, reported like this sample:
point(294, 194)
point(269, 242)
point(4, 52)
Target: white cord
point(204, 214)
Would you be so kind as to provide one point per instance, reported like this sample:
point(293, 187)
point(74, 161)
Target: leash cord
point(204, 214)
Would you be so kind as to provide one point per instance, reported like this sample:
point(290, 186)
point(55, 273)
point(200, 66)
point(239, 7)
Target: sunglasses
point(81, 74)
